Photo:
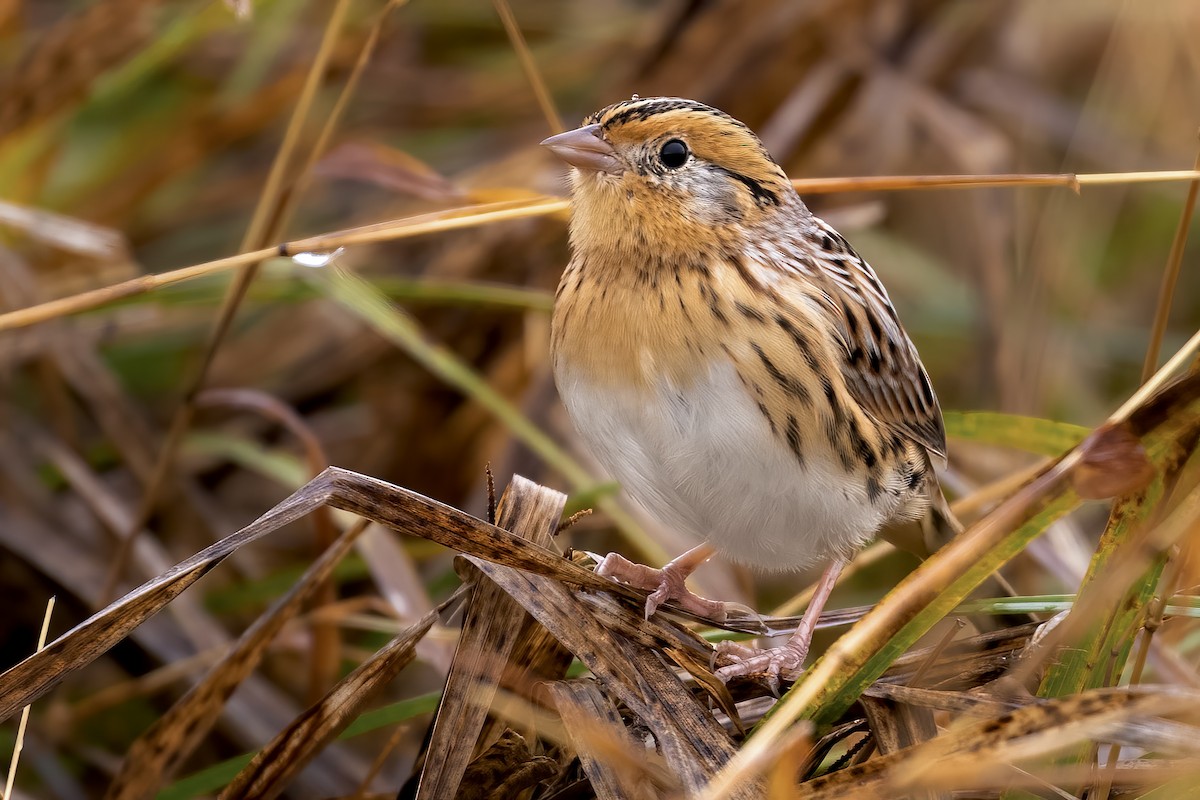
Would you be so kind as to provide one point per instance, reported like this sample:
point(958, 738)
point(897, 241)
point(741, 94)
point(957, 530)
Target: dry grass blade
point(493, 625)
point(617, 767)
point(689, 738)
point(388, 168)
point(882, 183)
point(962, 665)
point(64, 306)
point(961, 702)
point(436, 222)
point(172, 739)
point(390, 505)
point(454, 219)
point(326, 640)
point(276, 764)
point(66, 233)
point(411, 513)
point(893, 183)
point(1159, 381)
point(19, 742)
point(896, 726)
point(25, 682)
point(977, 754)
point(414, 514)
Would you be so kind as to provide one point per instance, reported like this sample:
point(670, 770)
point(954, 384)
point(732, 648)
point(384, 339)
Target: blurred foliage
point(156, 124)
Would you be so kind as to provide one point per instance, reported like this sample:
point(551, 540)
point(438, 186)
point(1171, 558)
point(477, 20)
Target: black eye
point(673, 154)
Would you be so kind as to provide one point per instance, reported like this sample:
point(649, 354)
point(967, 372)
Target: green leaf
point(284, 468)
point(1033, 435)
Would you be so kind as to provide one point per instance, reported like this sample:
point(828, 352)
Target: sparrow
point(731, 360)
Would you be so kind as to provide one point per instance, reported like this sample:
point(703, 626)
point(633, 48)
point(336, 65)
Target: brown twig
point(1166, 290)
point(529, 66)
point(326, 641)
point(264, 226)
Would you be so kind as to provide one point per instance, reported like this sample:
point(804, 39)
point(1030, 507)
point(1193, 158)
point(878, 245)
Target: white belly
point(704, 462)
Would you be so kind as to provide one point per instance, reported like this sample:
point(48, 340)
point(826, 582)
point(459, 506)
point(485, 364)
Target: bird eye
point(673, 154)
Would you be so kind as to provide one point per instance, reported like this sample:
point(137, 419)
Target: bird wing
point(881, 367)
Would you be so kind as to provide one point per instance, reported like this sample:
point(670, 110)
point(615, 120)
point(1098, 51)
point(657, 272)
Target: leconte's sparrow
point(731, 360)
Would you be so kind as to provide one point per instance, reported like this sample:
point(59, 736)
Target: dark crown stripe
point(644, 108)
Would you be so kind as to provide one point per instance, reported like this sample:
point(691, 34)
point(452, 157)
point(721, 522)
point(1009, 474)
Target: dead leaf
point(381, 165)
point(1113, 463)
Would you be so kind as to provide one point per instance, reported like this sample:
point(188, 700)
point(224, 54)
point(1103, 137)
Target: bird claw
point(775, 662)
point(663, 584)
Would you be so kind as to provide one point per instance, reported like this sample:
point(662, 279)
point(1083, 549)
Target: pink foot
point(663, 584)
point(787, 660)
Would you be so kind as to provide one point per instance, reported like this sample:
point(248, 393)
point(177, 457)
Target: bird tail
point(924, 536)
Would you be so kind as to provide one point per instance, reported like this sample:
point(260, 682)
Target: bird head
point(665, 169)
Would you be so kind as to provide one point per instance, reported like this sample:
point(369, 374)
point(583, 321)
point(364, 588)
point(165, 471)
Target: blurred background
point(137, 137)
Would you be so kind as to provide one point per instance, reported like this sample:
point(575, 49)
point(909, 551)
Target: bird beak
point(583, 148)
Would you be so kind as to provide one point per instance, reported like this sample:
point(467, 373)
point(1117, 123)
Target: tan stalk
point(529, 66)
point(20, 740)
point(535, 206)
point(264, 226)
point(438, 221)
point(1166, 291)
point(304, 175)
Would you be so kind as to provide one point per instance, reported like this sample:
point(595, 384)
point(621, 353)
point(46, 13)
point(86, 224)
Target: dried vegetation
point(171, 371)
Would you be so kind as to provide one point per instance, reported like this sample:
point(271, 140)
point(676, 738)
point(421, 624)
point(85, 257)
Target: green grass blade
point(370, 305)
point(282, 467)
point(1098, 657)
point(837, 695)
point(1033, 435)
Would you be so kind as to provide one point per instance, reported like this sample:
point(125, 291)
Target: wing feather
point(881, 366)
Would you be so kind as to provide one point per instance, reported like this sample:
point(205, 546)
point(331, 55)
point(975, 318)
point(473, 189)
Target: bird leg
point(667, 583)
point(790, 657)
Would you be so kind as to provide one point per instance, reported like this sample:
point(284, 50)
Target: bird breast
point(701, 459)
